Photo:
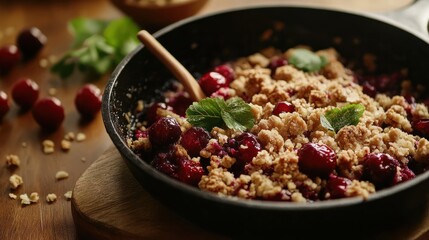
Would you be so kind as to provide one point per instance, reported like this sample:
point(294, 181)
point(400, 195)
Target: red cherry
point(226, 71)
point(283, 107)
point(316, 159)
point(9, 58)
point(276, 62)
point(4, 104)
point(211, 82)
point(88, 100)
point(49, 113)
point(164, 131)
point(25, 92)
point(31, 41)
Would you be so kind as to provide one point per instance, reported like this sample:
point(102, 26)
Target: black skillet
point(201, 42)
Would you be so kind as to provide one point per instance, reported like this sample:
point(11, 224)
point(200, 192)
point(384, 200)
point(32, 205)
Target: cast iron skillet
point(201, 42)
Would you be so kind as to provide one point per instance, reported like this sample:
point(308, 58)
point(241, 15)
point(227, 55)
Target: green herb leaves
point(233, 113)
point(98, 46)
point(306, 60)
point(337, 118)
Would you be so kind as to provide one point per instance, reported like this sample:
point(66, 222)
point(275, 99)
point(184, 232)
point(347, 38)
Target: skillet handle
point(414, 16)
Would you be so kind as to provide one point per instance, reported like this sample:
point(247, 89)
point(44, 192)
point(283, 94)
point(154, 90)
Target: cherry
point(336, 186)
point(4, 104)
point(151, 115)
point(369, 89)
point(180, 103)
point(164, 132)
point(48, 113)
point(31, 41)
point(165, 162)
point(211, 82)
point(316, 159)
point(226, 71)
point(276, 62)
point(244, 147)
point(421, 126)
point(194, 140)
point(380, 168)
point(88, 100)
point(9, 58)
point(25, 92)
point(189, 172)
point(404, 174)
point(221, 93)
point(283, 107)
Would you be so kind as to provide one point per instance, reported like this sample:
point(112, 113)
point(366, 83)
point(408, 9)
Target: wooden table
point(54, 221)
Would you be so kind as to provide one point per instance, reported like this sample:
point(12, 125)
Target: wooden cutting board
point(108, 203)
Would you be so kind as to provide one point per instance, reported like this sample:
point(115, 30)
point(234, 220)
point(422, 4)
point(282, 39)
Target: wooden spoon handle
point(176, 68)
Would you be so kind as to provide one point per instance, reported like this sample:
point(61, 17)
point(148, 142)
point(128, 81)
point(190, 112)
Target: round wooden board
point(108, 203)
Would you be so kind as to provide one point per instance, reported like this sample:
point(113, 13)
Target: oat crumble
point(274, 148)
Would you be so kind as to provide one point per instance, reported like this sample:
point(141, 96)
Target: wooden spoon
point(178, 70)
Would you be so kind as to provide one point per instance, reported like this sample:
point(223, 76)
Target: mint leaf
point(83, 28)
point(337, 118)
point(216, 112)
point(206, 113)
point(306, 60)
point(237, 114)
point(98, 46)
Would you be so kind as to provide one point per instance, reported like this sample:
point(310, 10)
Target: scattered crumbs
point(12, 161)
point(83, 159)
point(65, 145)
point(52, 91)
point(61, 175)
point(43, 63)
point(34, 197)
point(25, 200)
point(68, 195)
point(129, 95)
point(12, 196)
point(24, 144)
point(48, 146)
point(80, 137)
point(51, 197)
point(15, 181)
point(70, 136)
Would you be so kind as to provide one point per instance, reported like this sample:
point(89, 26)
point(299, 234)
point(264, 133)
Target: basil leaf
point(216, 112)
point(306, 60)
point(337, 118)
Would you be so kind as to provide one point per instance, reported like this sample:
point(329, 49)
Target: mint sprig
point(98, 46)
point(337, 118)
point(233, 113)
point(307, 60)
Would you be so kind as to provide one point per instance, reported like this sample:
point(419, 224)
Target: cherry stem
point(176, 68)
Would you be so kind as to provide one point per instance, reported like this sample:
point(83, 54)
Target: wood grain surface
point(54, 221)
